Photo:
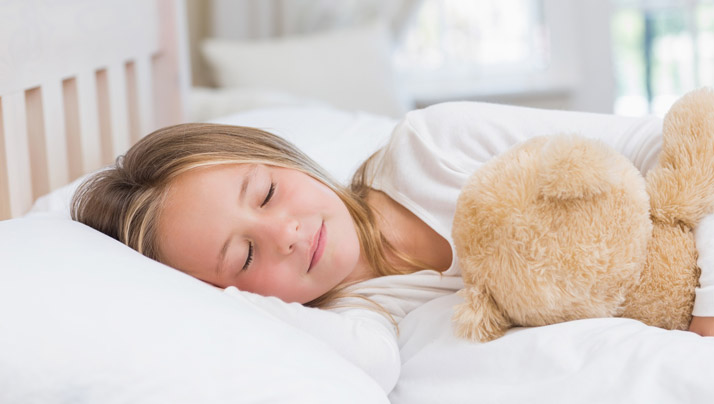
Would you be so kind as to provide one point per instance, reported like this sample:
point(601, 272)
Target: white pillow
point(349, 68)
point(212, 103)
point(84, 319)
point(58, 201)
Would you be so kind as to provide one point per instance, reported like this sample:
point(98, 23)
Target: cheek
point(347, 250)
point(273, 281)
point(353, 253)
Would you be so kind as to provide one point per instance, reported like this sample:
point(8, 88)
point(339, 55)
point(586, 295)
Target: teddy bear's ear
point(681, 187)
point(574, 167)
point(688, 130)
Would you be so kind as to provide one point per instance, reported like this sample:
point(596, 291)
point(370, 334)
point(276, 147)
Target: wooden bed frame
point(80, 81)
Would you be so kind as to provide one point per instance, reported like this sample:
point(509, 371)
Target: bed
point(84, 319)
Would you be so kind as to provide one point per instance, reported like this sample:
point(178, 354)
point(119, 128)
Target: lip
point(318, 246)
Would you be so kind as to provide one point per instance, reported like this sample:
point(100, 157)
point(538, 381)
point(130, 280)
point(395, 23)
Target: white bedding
point(599, 360)
point(589, 361)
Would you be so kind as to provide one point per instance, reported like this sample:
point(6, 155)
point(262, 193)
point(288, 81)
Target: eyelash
point(249, 260)
point(271, 191)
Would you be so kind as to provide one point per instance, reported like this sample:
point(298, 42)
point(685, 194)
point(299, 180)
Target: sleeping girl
point(244, 210)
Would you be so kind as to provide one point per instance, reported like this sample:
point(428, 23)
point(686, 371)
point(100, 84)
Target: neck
point(362, 271)
point(409, 235)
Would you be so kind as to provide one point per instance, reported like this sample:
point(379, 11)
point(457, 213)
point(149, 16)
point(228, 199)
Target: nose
point(284, 232)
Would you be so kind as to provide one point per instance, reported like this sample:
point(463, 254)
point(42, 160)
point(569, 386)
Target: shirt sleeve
point(360, 335)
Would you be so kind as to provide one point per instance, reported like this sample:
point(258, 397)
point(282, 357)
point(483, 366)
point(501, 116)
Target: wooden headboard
point(80, 81)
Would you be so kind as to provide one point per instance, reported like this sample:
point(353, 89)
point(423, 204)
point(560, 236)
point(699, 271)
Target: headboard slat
point(118, 109)
point(89, 121)
point(80, 81)
point(144, 96)
point(70, 102)
point(59, 38)
point(55, 134)
point(17, 153)
point(34, 114)
point(167, 66)
point(4, 184)
point(132, 96)
point(104, 113)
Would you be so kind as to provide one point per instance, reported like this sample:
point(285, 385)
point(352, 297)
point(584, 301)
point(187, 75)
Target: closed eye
point(248, 259)
point(268, 197)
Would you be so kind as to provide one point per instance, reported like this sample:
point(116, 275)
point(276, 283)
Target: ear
point(574, 167)
point(479, 318)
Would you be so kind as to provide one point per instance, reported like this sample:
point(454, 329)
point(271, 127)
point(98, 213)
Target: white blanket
point(594, 361)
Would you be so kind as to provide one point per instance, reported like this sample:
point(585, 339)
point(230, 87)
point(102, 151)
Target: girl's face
point(264, 229)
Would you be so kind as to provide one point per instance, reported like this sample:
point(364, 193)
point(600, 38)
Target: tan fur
point(562, 228)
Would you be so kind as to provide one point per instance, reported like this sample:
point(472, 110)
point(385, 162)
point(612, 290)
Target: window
point(661, 49)
point(457, 35)
point(458, 47)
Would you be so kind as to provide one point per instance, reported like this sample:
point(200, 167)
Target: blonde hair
point(124, 201)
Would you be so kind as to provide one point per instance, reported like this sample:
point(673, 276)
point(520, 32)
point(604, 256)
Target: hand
point(703, 326)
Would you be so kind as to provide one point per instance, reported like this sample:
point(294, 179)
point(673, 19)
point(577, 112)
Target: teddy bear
point(562, 227)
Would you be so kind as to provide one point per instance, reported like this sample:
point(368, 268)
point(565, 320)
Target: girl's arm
point(362, 336)
point(703, 326)
point(703, 322)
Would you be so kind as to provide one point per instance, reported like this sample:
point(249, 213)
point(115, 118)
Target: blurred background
point(629, 57)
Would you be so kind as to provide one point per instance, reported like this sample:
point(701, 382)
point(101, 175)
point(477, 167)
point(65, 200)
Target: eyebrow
point(222, 256)
point(250, 175)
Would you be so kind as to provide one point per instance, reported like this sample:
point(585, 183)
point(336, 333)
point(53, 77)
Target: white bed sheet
point(610, 360)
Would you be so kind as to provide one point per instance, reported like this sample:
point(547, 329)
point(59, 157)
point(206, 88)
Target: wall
point(580, 33)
